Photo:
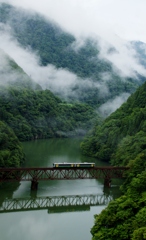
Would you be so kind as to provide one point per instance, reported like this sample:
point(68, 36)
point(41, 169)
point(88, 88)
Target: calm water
point(54, 223)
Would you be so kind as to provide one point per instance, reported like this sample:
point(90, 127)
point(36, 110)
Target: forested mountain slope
point(54, 46)
point(125, 217)
point(122, 134)
point(13, 75)
point(11, 152)
point(121, 140)
point(35, 113)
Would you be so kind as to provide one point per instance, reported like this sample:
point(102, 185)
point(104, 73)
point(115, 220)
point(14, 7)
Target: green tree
point(11, 152)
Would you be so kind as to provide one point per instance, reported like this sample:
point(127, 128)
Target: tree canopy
point(11, 151)
point(121, 140)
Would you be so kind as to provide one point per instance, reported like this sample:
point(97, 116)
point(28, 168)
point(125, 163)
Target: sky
point(107, 18)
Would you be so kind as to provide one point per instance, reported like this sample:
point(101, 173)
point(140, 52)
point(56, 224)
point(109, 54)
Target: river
point(33, 220)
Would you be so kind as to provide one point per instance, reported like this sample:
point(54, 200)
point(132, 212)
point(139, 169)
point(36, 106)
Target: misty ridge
point(87, 70)
point(12, 75)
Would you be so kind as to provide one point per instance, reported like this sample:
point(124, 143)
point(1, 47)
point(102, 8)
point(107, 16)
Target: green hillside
point(35, 113)
point(54, 46)
point(39, 114)
point(124, 127)
point(11, 152)
point(121, 140)
point(13, 75)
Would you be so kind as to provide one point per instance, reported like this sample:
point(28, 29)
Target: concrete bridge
point(39, 174)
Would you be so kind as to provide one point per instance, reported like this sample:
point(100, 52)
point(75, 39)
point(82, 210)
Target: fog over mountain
point(106, 19)
point(111, 31)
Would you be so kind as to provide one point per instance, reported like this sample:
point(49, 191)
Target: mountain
point(35, 113)
point(13, 75)
point(121, 131)
point(140, 48)
point(97, 80)
point(121, 140)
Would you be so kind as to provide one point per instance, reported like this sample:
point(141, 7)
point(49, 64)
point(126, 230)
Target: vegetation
point(32, 113)
point(39, 114)
point(123, 129)
point(35, 113)
point(125, 217)
point(121, 140)
point(11, 152)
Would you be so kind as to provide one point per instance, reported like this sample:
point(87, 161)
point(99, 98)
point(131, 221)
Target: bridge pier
point(33, 194)
point(107, 182)
point(34, 184)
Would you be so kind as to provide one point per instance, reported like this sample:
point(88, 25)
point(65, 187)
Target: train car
point(77, 165)
point(85, 164)
point(63, 165)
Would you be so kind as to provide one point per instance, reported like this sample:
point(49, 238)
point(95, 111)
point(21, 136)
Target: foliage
point(125, 217)
point(11, 152)
point(122, 134)
point(36, 114)
point(121, 139)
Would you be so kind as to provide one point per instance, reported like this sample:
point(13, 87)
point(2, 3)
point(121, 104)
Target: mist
point(94, 20)
point(125, 19)
point(107, 108)
point(60, 81)
point(83, 20)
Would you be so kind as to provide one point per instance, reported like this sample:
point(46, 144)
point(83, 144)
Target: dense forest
point(35, 113)
point(39, 114)
point(121, 140)
point(11, 152)
point(123, 128)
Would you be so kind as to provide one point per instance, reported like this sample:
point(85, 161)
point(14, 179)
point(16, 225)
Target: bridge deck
point(38, 174)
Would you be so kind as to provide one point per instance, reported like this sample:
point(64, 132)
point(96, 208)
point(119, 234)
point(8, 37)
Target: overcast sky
point(106, 18)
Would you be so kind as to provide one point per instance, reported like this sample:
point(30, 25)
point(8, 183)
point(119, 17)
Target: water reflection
point(54, 204)
point(75, 221)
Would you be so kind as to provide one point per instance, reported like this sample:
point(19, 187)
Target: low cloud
point(63, 82)
point(101, 17)
point(107, 108)
point(123, 57)
point(103, 20)
point(60, 81)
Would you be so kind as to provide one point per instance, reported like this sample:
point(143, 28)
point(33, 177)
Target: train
point(76, 165)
